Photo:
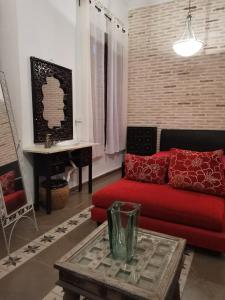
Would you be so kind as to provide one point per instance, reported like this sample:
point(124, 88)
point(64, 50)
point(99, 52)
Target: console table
point(52, 161)
point(89, 269)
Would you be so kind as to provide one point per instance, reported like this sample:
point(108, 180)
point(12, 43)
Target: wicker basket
point(59, 193)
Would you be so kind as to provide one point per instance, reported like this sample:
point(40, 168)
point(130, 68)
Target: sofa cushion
point(165, 203)
point(166, 153)
point(14, 201)
point(7, 181)
point(197, 171)
point(146, 168)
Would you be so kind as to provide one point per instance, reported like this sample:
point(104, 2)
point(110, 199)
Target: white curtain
point(83, 89)
point(116, 90)
point(97, 35)
point(90, 79)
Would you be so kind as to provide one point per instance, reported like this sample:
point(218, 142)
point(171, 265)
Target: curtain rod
point(107, 16)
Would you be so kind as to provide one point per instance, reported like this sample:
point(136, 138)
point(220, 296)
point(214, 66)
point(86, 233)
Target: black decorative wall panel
point(40, 70)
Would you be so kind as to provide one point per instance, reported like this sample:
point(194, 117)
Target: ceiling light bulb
point(188, 45)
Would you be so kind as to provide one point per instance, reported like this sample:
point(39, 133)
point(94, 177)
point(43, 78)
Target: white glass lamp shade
point(187, 47)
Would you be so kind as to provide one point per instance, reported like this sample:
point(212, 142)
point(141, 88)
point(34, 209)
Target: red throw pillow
point(146, 168)
point(7, 181)
point(197, 171)
point(223, 159)
point(162, 154)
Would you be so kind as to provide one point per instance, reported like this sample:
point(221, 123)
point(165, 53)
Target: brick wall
point(169, 91)
point(7, 148)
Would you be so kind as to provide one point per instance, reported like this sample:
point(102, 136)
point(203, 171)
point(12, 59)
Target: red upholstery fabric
point(197, 171)
point(14, 201)
point(165, 203)
point(146, 168)
point(7, 181)
point(195, 236)
point(164, 153)
point(223, 158)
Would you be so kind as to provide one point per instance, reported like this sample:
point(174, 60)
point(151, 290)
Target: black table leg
point(48, 195)
point(80, 179)
point(68, 295)
point(36, 187)
point(48, 190)
point(90, 178)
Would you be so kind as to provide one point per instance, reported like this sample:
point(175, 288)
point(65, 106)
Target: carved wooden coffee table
point(90, 271)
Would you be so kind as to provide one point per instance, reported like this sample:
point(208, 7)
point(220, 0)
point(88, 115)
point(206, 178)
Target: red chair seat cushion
point(14, 201)
point(165, 203)
point(197, 171)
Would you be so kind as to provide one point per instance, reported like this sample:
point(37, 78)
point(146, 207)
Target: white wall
point(9, 55)
point(45, 29)
point(119, 8)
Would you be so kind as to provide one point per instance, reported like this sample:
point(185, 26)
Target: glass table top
point(153, 256)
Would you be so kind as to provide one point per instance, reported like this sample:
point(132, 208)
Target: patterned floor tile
point(25, 253)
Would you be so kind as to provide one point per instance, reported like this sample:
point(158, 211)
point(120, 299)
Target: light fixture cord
point(189, 28)
point(189, 9)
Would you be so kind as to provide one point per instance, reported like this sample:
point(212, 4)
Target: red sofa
point(197, 217)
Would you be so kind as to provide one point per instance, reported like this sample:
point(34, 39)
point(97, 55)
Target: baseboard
point(96, 177)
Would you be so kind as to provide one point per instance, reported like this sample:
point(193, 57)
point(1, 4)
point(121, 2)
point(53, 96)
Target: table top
point(56, 148)
point(148, 276)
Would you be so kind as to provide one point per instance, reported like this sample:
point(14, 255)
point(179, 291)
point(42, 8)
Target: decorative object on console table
point(52, 100)
point(122, 227)
point(48, 140)
point(52, 161)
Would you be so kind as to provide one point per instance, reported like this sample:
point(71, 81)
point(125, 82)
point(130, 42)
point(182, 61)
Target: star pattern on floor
point(73, 222)
point(31, 249)
point(47, 238)
point(12, 261)
point(83, 215)
point(27, 252)
point(61, 230)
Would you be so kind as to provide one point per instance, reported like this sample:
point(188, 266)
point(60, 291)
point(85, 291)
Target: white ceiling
point(132, 4)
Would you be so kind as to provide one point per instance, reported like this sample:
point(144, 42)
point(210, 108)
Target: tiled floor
point(34, 279)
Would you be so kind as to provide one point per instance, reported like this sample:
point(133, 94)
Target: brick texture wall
point(7, 148)
point(169, 91)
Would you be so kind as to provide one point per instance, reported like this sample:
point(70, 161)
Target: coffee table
point(89, 269)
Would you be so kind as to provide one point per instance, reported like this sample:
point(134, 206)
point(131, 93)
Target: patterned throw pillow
point(146, 168)
point(7, 181)
point(197, 171)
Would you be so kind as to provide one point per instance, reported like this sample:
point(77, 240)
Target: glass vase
point(122, 227)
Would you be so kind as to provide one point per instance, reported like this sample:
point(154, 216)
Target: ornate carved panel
point(51, 116)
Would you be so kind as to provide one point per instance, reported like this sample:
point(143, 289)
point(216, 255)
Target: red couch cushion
point(7, 181)
point(146, 168)
point(197, 171)
point(165, 203)
point(14, 201)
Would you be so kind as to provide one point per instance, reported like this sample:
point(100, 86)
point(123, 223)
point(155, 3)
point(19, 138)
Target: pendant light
point(188, 45)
